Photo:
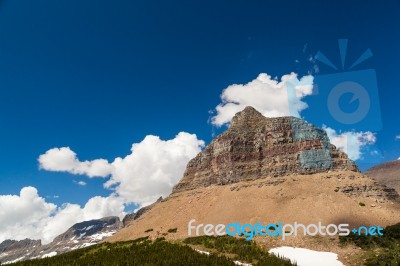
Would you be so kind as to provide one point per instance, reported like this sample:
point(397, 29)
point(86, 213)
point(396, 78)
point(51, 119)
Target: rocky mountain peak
point(282, 168)
point(249, 117)
point(256, 147)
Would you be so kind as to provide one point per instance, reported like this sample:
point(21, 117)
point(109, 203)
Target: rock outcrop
point(257, 147)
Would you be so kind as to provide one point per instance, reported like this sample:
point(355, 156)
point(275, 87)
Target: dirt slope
point(327, 198)
point(387, 174)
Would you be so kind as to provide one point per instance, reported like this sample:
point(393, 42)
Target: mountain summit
point(268, 170)
point(256, 147)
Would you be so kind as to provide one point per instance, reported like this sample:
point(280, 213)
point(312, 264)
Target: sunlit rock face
point(256, 147)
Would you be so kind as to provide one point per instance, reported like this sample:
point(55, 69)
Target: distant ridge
point(386, 173)
point(80, 235)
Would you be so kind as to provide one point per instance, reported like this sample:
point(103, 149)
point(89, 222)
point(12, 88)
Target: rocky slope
point(387, 174)
point(135, 215)
point(78, 236)
point(269, 170)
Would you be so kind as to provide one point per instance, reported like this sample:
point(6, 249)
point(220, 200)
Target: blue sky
point(97, 76)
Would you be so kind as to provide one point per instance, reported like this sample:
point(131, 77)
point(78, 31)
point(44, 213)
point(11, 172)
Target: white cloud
point(65, 160)
point(28, 215)
point(23, 215)
point(397, 137)
point(150, 171)
point(81, 183)
point(269, 96)
point(153, 167)
point(351, 142)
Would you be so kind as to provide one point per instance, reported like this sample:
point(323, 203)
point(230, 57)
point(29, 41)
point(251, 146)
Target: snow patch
point(81, 235)
point(14, 261)
point(208, 254)
point(100, 236)
point(202, 252)
point(84, 245)
point(307, 257)
point(89, 227)
point(241, 263)
point(48, 255)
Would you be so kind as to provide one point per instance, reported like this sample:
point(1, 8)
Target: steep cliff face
point(256, 147)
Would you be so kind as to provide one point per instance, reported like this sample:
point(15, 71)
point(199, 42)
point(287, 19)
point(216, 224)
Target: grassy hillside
point(380, 251)
point(224, 251)
point(238, 248)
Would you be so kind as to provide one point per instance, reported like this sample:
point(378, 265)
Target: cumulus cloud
point(152, 168)
point(397, 137)
point(65, 160)
point(24, 215)
point(69, 214)
point(28, 215)
point(351, 142)
point(269, 96)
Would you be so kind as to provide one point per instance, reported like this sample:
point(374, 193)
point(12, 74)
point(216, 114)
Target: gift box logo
point(347, 99)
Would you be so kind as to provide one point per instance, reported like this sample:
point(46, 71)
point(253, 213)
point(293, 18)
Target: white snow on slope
point(307, 257)
point(48, 255)
point(236, 261)
point(89, 227)
point(202, 252)
point(241, 263)
point(100, 236)
point(14, 261)
point(84, 245)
